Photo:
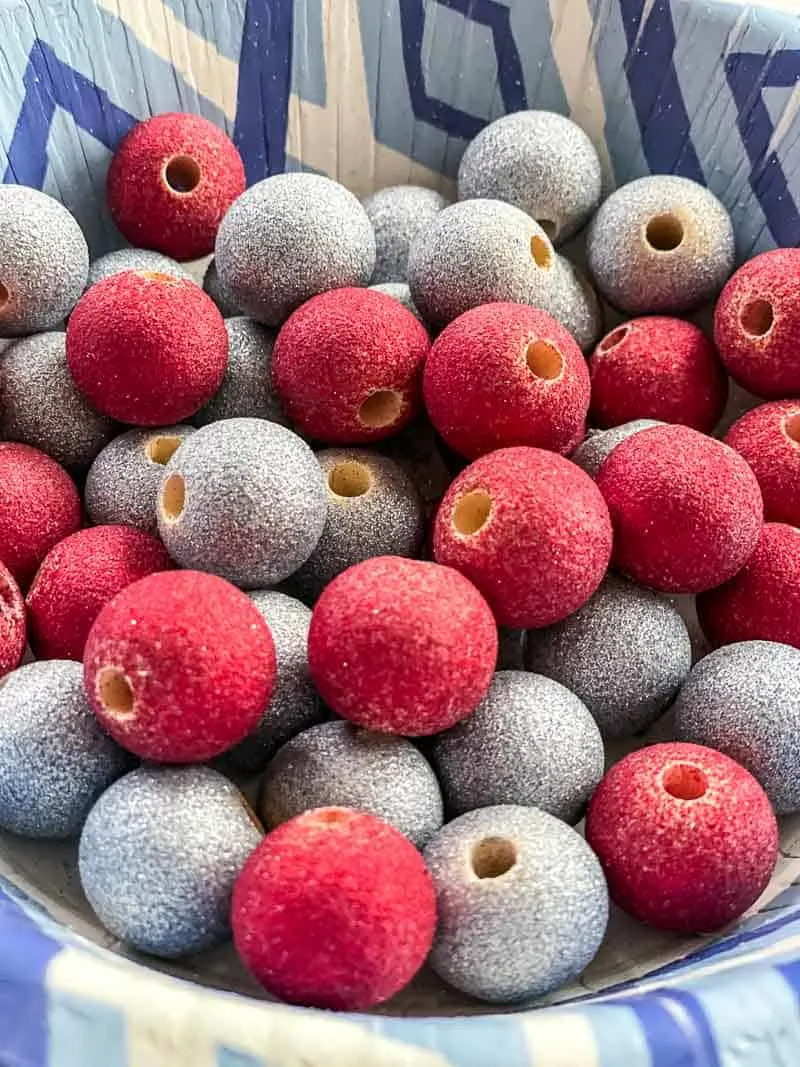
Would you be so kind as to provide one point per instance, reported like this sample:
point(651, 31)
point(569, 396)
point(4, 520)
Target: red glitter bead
point(39, 506)
point(179, 666)
point(146, 348)
point(170, 183)
point(12, 622)
point(506, 374)
point(687, 838)
point(334, 909)
point(78, 577)
point(769, 439)
point(762, 602)
point(757, 324)
point(657, 368)
point(347, 366)
point(530, 529)
point(686, 509)
point(402, 646)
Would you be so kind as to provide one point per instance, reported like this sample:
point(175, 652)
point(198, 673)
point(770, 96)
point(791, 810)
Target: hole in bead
point(611, 340)
point(182, 174)
point(493, 857)
point(381, 409)
point(5, 296)
point(549, 227)
point(544, 360)
point(115, 694)
point(684, 781)
point(349, 479)
point(156, 276)
point(664, 232)
point(472, 512)
point(161, 449)
point(757, 318)
point(331, 816)
point(542, 252)
point(173, 497)
point(791, 426)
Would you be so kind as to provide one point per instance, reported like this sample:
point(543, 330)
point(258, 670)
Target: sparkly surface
point(529, 742)
point(290, 237)
point(539, 161)
point(481, 392)
point(624, 653)
point(134, 259)
point(44, 260)
point(744, 700)
point(13, 622)
point(527, 931)
point(254, 502)
point(122, 483)
point(689, 863)
point(639, 278)
point(686, 509)
point(769, 439)
point(576, 306)
point(246, 391)
point(40, 405)
point(537, 498)
point(402, 646)
point(337, 764)
point(399, 291)
point(159, 856)
point(398, 215)
point(384, 520)
point(55, 760)
point(197, 663)
point(592, 453)
point(213, 285)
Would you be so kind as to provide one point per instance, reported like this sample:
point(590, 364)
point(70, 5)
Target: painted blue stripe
point(704, 1037)
point(85, 1033)
point(672, 1040)
point(476, 1042)
point(619, 1037)
point(228, 1057)
point(790, 972)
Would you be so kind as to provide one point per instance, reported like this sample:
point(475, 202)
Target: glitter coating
point(398, 215)
point(527, 931)
point(254, 502)
point(134, 259)
point(690, 864)
point(13, 622)
point(402, 646)
point(768, 437)
point(55, 760)
point(399, 291)
point(639, 278)
point(575, 305)
point(213, 285)
point(246, 390)
point(591, 454)
point(159, 856)
point(288, 238)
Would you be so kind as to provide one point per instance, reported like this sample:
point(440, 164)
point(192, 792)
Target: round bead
point(374, 509)
point(521, 901)
point(122, 483)
point(402, 646)
point(334, 909)
point(146, 348)
point(687, 838)
point(757, 324)
point(529, 742)
point(55, 760)
point(13, 623)
point(160, 854)
point(336, 764)
point(213, 285)
point(179, 667)
point(141, 259)
point(503, 375)
point(591, 454)
point(368, 384)
point(44, 259)
point(657, 368)
point(575, 305)
point(288, 238)
point(399, 291)
point(399, 215)
point(539, 161)
point(768, 437)
point(78, 577)
point(762, 601)
point(660, 244)
point(244, 499)
point(39, 506)
point(246, 391)
point(686, 509)
point(40, 405)
point(624, 653)
point(744, 700)
point(170, 183)
point(530, 529)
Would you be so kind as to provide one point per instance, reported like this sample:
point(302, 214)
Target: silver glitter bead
point(539, 161)
point(246, 390)
point(288, 238)
point(400, 291)
point(592, 453)
point(122, 483)
point(521, 900)
point(294, 704)
point(625, 653)
point(212, 283)
point(338, 765)
point(374, 509)
point(244, 499)
point(529, 742)
point(55, 760)
point(159, 856)
point(134, 259)
point(660, 244)
point(398, 215)
point(744, 700)
point(40, 405)
point(44, 261)
point(575, 305)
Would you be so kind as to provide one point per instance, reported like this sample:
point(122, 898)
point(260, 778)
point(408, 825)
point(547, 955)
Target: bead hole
point(156, 276)
point(182, 174)
point(664, 232)
point(544, 360)
point(173, 497)
point(349, 479)
point(791, 427)
point(757, 318)
point(161, 449)
point(611, 340)
point(493, 857)
point(115, 694)
point(381, 409)
point(5, 296)
point(541, 252)
point(331, 816)
point(472, 512)
point(549, 228)
point(684, 781)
